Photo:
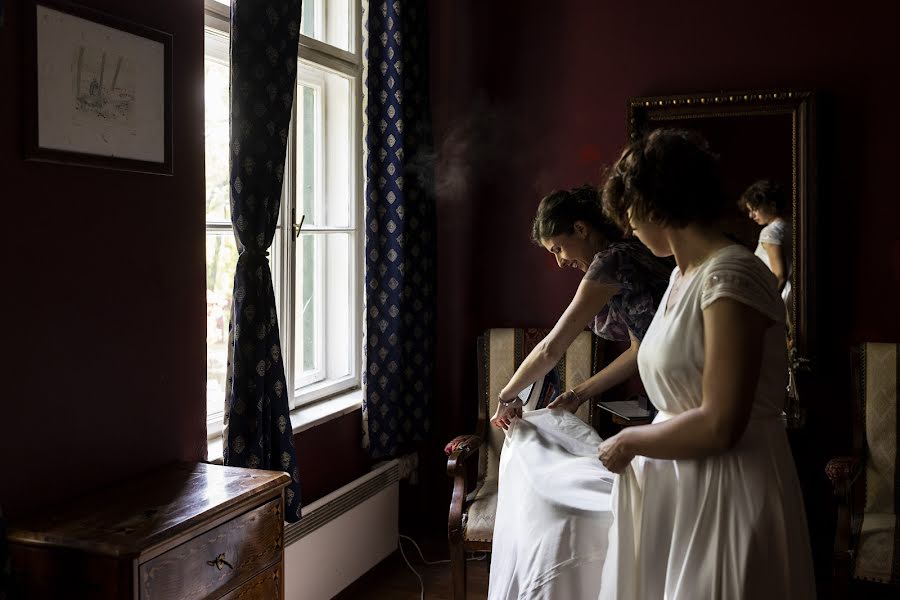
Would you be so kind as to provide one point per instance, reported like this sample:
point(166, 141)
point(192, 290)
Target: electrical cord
point(416, 573)
point(427, 562)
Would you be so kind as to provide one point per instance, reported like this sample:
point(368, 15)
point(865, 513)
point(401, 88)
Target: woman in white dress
point(706, 503)
point(765, 203)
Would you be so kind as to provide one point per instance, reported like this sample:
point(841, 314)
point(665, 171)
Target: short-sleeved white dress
point(729, 526)
point(778, 233)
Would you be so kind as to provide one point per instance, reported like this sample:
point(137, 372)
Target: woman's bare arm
point(589, 299)
point(620, 369)
point(776, 260)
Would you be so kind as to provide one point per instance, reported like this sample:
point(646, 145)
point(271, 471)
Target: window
point(317, 269)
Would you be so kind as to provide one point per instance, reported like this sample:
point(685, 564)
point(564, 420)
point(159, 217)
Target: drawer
point(247, 544)
point(265, 586)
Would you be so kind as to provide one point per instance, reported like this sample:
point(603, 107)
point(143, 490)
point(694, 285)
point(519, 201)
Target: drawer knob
point(220, 562)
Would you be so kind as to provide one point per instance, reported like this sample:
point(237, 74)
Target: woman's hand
point(615, 453)
point(506, 413)
point(567, 401)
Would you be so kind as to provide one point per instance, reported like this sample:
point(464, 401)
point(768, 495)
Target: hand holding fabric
point(615, 453)
point(506, 413)
point(568, 401)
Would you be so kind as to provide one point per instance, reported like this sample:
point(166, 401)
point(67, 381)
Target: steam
point(481, 143)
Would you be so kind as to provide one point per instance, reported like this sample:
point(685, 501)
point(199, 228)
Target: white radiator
point(342, 535)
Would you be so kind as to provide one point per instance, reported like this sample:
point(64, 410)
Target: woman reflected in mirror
point(765, 203)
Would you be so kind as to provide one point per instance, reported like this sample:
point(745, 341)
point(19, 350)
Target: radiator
point(342, 535)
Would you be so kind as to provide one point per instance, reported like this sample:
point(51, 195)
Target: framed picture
point(98, 90)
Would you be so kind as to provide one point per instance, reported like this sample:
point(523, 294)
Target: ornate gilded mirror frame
point(796, 107)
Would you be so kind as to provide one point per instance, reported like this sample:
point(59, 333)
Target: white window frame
point(215, 419)
point(290, 202)
point(283, 252)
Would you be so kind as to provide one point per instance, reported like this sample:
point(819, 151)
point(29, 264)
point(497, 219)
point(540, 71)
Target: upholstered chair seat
point(478, 520)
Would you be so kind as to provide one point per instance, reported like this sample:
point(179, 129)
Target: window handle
point(298, 226)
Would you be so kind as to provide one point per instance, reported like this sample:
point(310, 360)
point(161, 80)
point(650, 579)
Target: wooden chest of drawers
point(183, 532)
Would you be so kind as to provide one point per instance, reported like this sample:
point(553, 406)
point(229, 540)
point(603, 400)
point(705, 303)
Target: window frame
point(285, 248)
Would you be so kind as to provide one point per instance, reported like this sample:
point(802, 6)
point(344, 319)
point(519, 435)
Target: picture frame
point(98, 89)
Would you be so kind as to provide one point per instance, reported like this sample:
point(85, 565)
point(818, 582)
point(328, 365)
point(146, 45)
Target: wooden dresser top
point(133, 516)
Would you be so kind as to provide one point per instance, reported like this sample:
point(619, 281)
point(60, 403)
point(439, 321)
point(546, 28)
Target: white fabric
point(778, 233)
point(730, 526)
point(553, 510)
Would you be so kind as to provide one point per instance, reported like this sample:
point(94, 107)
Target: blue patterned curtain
point(399, 228)
point(258, 433)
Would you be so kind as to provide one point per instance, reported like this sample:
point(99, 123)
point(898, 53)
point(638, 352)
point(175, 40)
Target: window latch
point(298, 226)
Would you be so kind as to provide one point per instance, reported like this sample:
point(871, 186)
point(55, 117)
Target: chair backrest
point(501, 351)
point(876, 388)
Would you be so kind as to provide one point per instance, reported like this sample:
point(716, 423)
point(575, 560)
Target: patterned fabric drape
point(399, 228)
point(258, 433)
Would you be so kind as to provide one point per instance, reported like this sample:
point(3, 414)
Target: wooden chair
point(867, 483)
point(500, 352)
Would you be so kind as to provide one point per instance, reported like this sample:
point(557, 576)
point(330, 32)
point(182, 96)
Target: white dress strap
point(776, 232)
point(737, 274)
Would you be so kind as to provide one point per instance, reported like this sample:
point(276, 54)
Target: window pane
point(326, 152)
point(307, 314)
point(217, 75)
point(311, 9)
point(307, 137)
point(340, 291)
point(325, 319)
point(330, 21)
point(221, 259)
point(308, 305)
point(308, 144)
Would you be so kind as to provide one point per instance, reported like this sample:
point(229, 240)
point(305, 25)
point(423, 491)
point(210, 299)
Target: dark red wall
point(103, 303)
point(330, 456)
point(103, 316)
point(530, 95)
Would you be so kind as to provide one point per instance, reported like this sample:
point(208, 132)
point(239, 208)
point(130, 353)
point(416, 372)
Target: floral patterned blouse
point(643, 279)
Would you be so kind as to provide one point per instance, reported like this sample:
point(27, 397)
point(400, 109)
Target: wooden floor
point(391, 579)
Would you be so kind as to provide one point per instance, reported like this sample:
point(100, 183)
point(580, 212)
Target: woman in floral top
point(622, 286)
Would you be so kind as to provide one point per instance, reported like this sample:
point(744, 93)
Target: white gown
point(553, 511)
point(731, 526)
point(778, 233)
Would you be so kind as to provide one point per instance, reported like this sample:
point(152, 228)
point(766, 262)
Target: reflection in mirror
point(766, 205)
point(765, 144)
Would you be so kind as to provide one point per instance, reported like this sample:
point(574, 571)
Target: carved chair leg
point(458, 571)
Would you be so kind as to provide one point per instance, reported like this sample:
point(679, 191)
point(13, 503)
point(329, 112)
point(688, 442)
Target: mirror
point(760, 135)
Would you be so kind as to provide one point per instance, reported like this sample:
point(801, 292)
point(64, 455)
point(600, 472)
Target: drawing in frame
point(98, 89)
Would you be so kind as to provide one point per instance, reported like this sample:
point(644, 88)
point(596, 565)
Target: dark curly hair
point(766, 194)
point(668, 177)
point(559, 210)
